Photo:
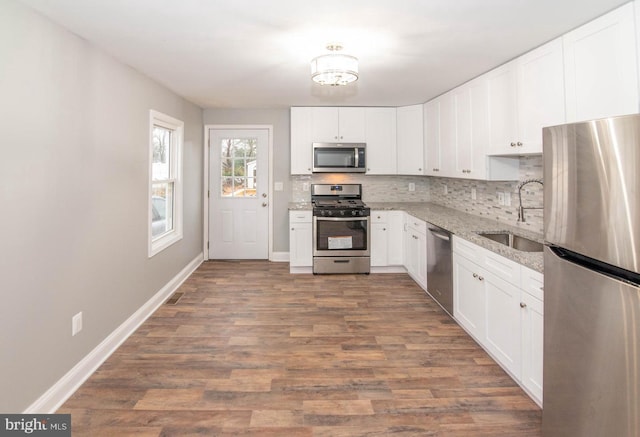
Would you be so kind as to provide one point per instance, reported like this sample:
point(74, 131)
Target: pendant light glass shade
point(334, 69)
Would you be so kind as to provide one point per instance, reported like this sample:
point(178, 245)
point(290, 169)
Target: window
point(165, 184)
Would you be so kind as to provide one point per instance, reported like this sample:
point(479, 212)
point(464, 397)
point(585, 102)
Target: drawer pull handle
point(523, 305)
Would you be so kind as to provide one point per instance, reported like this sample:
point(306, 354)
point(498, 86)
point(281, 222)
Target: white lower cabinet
point(503, 325)
point(415, 249)
point(468, 296)
point(379, 239)
point(387, 238)
point(532, 332)
point(494, 305)
point(300, 239)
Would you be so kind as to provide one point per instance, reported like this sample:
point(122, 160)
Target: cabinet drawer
point(300, 216)
point(379, 216)
point(468, 250)
point(532, 282)
point(416, 224)
point(504, 268)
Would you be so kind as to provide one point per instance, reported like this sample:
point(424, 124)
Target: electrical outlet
point(500, 198)
point(278, 186)
point(305, 186)
point(473, 194)
point(412, 186)
point(507, 198)
point(445, 189)
point(76, 324)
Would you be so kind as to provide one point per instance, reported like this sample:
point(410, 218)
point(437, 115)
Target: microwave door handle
point(355, 150)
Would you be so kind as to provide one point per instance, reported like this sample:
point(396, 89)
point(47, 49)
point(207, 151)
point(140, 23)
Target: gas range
point(330, 200)
point(340, 208)
point(341, 238)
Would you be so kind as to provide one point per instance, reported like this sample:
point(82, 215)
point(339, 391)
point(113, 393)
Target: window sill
point(163, 242)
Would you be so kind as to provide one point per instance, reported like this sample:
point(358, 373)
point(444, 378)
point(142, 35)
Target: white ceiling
point(256, 53)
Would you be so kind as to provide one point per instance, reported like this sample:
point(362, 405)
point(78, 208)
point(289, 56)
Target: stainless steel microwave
point(339, 158)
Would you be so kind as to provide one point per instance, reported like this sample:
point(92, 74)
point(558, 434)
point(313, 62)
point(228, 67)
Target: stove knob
point(354, 212)
point(341, 212)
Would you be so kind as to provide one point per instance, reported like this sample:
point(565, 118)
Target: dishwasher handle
point(441, 235)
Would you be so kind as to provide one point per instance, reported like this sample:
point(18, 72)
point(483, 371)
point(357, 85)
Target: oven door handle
point(342, 219)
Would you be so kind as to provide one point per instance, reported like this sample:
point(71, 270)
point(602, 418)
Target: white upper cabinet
point(524, 96)
point(457, 136)
point(440, 135)
point(331, 124)
point(410, 140)
point(301, 149)
point(502, 108)
point(472, 129)
point(431, 112)
point(540, 94)
point(600, 61)
point(380, 129)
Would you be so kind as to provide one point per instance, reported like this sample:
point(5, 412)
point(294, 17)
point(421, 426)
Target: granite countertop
point(300, 206)
point(463, 225)
point(466, 226)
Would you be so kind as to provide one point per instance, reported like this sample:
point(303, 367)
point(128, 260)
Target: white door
point(238, 198)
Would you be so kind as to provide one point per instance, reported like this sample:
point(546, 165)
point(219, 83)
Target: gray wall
point(279, 118)
point(73, 190)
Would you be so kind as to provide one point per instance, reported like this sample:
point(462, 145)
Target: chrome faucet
point(522, 208)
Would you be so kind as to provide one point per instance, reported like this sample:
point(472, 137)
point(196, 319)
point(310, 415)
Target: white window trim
point(158, 244)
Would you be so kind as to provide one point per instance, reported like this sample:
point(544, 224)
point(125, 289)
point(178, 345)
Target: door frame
point(205, 190)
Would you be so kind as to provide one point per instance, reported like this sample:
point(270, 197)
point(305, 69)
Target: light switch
point(278, 186)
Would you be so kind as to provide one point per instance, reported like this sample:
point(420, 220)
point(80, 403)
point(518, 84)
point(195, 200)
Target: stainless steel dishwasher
point(439, 267)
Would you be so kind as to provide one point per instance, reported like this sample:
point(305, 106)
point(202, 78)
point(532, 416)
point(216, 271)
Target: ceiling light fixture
point(334, 68)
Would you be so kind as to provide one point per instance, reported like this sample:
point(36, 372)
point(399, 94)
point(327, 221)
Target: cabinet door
point(502, 109)
point(432, 137)
point(410, 140)
point(416, 256)
point(324, 126)
point(468, 297)
point(600, 65)
point(447, 135)
point(395, 242)
point(300, 245)
point(380, 132)
point(479, 107)
point(540, 94)
point(351, 125)
point(503, 323)
point(301, 149)
point(379, 244)
point(532, 345)
point(462, 139)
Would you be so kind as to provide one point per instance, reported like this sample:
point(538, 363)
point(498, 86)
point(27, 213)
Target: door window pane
point(238, 167)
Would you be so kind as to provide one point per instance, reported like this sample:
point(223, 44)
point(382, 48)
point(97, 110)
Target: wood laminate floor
point(251, 350)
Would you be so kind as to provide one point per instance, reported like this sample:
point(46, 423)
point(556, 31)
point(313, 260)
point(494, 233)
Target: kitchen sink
point(515, 241)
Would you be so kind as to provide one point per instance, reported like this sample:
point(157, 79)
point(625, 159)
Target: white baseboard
point(53, 398)
point(388, 269)
point(282, 257)
point(297, 270)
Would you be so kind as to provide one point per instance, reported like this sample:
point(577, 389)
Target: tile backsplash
point(374, 188)
point(487, 201)
point(459, 192)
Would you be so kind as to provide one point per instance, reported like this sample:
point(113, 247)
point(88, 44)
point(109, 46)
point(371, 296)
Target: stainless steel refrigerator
point(591, 278)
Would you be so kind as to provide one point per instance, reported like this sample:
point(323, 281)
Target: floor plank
point(251, 350)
